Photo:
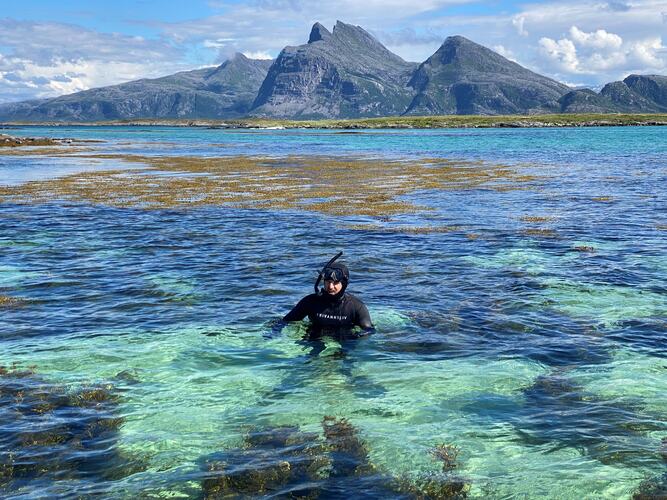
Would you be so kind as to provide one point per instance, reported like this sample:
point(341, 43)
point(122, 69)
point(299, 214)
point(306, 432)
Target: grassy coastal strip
point(392, 122)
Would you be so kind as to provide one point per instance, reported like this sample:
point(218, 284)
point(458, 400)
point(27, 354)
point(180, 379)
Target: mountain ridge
point(347, 73)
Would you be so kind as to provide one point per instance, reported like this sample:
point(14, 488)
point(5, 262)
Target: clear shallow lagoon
point(533, 338)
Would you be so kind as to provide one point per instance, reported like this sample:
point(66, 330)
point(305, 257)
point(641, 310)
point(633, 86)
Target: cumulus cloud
point(601, 51)
point(562, 52)
point(49, 59)
point(599, 39)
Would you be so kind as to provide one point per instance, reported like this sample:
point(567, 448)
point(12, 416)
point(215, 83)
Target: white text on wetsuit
point(331, 316)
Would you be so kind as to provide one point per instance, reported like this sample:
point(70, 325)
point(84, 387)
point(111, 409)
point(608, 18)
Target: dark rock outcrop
point(227, 90)
point(465, 78)
point(345, 73)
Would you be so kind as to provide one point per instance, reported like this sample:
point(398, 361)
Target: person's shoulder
point(310, 297)
point(354, 299)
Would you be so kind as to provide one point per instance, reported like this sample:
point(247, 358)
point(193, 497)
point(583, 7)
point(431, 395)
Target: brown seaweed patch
point(654, 488)
point(536, 218)
point(603, 199)
point(7, 301)
point(404, 229)
point(269, 459)
point(349, 453)
point(584, 249)
point(540, 233)
point(336, 186)
point(446, 484)
point(447, 454)
point(437, 487)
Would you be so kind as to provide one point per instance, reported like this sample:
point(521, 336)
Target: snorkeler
point(331, 308)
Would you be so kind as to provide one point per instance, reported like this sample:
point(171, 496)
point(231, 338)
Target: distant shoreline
point(417, 122)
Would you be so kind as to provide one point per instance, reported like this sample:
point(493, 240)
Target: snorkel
point(321, 274)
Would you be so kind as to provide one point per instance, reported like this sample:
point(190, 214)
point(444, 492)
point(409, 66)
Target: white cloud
point(505, 52)
point(519, 23)
point(64, 77)
point(599, 39)
point(562, 52)
point(258, 55)
point(601, 51)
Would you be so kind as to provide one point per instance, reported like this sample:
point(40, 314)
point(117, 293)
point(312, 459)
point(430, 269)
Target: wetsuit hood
point(336, 272)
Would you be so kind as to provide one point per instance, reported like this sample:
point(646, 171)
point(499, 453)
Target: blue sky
point(51, 48)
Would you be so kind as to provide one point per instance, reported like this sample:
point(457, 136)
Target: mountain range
point(347, 73)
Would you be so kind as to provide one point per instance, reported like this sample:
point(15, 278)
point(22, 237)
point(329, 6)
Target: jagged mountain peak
point(459, 51)
point(318, 32)
point(463, 77)
point(343, 73)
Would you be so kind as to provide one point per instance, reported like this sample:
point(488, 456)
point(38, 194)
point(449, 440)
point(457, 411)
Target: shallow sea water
point(540, 354)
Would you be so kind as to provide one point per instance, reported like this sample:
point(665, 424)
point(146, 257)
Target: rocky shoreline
point(8, 141)
point(419, 122)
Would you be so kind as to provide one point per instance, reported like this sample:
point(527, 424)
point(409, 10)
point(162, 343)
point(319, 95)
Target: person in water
point(332, 309)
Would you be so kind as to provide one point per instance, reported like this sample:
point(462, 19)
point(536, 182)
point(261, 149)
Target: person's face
point(332, 287)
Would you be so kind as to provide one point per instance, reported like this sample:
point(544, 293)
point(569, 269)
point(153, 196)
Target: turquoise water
point(540, 355)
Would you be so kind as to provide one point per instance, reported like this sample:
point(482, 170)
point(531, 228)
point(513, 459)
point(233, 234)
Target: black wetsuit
point(331, 312)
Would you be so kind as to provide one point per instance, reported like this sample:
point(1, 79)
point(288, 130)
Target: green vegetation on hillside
point(417, 122)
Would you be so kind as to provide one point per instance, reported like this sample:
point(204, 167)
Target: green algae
point(194, 390)
point(526, 259)
point(630, 375)
point(321, 184)
point(605, 304)
point(608, 305)
point(387, 319)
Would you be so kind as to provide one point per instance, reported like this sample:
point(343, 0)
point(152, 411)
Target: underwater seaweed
point(289, 463)
point(447, 454)
point(269, 460)
point(56, 434)
point(654, 488)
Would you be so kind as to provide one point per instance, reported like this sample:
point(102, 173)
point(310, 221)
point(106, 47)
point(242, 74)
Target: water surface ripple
point(533, 337)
